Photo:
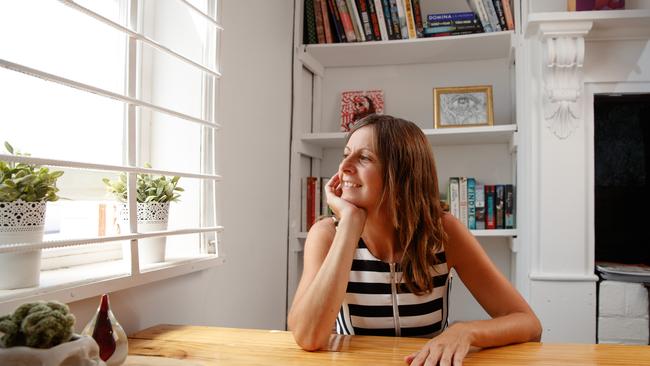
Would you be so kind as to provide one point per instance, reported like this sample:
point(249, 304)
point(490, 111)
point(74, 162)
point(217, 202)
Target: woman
point(380, 267)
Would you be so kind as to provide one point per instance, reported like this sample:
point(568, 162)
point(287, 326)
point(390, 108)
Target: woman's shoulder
point(323, 231)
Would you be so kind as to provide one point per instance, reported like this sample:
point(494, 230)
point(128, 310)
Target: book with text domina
point(358, 104)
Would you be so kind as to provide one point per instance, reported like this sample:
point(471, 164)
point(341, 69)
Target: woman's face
point(360, 170)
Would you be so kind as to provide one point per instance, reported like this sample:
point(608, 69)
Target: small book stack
point(481, 206)
point(341, 21)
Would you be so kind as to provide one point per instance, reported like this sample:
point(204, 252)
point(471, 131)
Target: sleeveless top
point(377, 301)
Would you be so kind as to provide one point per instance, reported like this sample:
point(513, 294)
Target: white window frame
point(75, 271)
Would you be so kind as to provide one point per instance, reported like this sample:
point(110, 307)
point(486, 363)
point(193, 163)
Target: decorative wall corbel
point(564, 51)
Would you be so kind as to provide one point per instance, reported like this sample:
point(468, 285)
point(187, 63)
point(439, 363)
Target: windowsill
point(84, 281)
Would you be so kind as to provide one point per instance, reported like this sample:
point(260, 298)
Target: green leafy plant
point(149, 188)
point(37, 324)
point(27, 182)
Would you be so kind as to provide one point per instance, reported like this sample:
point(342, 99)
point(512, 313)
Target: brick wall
point(622, 313)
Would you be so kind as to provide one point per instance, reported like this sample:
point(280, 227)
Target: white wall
point(249, 290)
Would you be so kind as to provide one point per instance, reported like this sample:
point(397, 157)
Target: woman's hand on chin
point(342, 209)
point(447, 349)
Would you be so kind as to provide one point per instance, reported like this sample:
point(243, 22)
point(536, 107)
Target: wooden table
point(197, 345)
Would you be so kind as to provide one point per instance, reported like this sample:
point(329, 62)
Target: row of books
point(481, 206)
point(340, 21)
point(313, 201)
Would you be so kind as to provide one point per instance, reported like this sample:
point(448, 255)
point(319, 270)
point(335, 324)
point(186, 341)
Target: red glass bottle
point(108, 333)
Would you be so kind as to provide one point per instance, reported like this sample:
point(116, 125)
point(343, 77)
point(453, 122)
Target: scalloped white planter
point(82, 351)
point(21, 222)
point(152, 216)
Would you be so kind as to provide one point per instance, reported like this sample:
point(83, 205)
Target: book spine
point(387, 18)
point(439, 23)
point(303, 204)
point(346, 20)
point(454, 203)
point(502, 18)
point(324, 208)
point(401, 13)
point(362, 6)
point(336, 20)
point(510, 206)
point(471, 203)
point(480, 206)
point(320, 26)
point(311, 201)
point(507, 11)
point(381, 21)
point(410, 20)
point(356, 20)
point(463, 200)
point(450, 16)
point(499, 203)
point(394, 19)
point(477, 7)
point(417, 15)
point(326, 22)
point(429, 31)
point(492, 15)
point(309, 36)
point(489, 207)
point(374, 21)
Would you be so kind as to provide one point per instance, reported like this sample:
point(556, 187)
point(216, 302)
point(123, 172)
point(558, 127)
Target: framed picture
point(462, 106)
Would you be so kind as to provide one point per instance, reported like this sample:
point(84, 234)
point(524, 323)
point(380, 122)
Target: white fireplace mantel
point(566, 54)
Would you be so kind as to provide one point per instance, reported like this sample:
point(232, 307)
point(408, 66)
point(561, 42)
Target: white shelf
point(500, 233)
point(499, 134)
point(470, 47)
point(607, 24)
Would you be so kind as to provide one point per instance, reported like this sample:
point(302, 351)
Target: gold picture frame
point(463, 106)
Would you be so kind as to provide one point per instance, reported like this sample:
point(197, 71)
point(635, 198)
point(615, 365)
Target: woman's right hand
point(342, 209)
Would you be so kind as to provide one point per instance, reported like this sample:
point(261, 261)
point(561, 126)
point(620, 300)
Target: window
point(96, 88)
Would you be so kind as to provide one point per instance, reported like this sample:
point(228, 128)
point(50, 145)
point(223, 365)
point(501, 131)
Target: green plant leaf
point(9, 148)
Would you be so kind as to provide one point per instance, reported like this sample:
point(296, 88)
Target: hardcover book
point(480, 206)
point(490, 222)
point(417, 15)
point(499, 206)
point(358, 104)
point(463, 201)
point(471, 203)
point(374, 20)
point(582, 5)
point(453, 197)
point(510, 206)
point(381, 20)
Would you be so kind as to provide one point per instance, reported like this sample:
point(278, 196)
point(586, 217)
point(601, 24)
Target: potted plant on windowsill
point(25, 190)
point(154, 193)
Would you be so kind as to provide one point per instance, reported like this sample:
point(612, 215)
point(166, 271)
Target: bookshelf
point(407, 71)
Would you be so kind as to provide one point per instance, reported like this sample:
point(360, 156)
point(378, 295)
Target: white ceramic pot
point(82, 351)
point(152, 216)
point(21, 222)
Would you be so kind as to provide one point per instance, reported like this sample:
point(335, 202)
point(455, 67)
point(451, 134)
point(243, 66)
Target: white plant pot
point(21, 222)
point(82, 351)
point(152, 216)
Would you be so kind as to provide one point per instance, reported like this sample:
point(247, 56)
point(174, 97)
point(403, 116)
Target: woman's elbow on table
point(310, 342)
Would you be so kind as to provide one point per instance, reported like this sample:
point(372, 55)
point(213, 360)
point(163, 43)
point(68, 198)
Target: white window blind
point(95, 88)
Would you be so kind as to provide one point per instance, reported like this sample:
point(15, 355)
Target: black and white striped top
point(377, 301)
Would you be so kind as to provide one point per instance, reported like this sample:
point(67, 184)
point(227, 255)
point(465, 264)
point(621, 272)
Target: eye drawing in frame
point(462, 106)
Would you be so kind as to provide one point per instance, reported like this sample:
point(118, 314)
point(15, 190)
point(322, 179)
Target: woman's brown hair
point(410, 193)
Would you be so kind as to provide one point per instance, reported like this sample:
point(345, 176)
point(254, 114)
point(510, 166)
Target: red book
point(311, 201)
point(320, 26)
point(326, 22)
point(346, 19)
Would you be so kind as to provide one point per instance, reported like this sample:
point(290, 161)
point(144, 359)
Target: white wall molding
point(564, 50)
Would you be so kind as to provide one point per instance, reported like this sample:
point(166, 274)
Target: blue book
point(471, 203)
point(432, 18)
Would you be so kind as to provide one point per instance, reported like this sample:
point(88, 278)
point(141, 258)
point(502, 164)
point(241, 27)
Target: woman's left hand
point(447, 349)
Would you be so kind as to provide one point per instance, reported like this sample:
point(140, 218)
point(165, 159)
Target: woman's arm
point(326, 269)
point(513, 321)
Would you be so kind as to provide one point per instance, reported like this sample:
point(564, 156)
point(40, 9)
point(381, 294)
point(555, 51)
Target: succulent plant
point(37, 324)
point(149, 188)
point(27, 182)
